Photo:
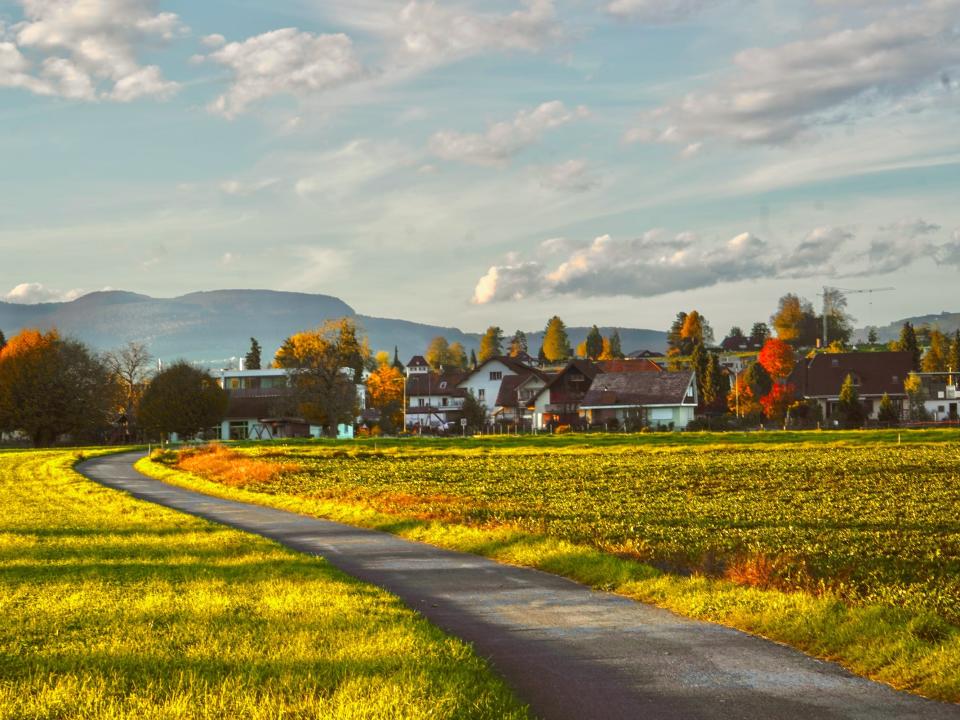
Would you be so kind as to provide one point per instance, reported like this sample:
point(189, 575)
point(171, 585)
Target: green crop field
point(115, 608)
point(849, 550)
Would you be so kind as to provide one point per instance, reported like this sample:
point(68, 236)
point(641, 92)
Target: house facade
point(433, 400)
point(642, 399)
point(486, 381)
point(941, 396)
point(261, 406)
point(819, 379)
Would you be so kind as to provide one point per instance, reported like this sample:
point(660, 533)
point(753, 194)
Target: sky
point(478, 162)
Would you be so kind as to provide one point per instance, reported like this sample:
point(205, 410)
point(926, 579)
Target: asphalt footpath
point(567, 650)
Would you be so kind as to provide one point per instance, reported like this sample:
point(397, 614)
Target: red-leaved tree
point(778, 359)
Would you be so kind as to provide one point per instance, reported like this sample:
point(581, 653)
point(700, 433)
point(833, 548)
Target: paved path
point(568, 651)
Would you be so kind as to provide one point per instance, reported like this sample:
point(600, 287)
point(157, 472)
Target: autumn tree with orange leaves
point(53, 388)
point(385, 386)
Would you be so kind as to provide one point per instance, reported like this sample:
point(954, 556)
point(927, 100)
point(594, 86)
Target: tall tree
point(131, 367)
point(616, 347)
point(908, 343)
point(839, 322)
point(872, 335)
point(954, 357)
point(937, 356)
point(916, 395)
point(385, 385)
point(253, 361)
point(695, 330)
point(759, 333)
point(457, 356)
point(321, 370)
point(699, 361)
point(715, 385)
point(518, 344)
point(795, 321)
point(849, 410)
point(675, 335)
point(777, 358)
point(396, 360)
point(438, 353)
point(556, 343)
point(491, 344)
point(594, 343)
point(50, 387)
point(473, 359)
point(735, 333)
point(182, 399)
point(3, 340)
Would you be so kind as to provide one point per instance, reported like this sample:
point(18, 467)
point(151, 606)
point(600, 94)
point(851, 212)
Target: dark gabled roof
point(638, 388)
point(644, 354)
point(435, 384)
point(418, 361)
point(514, 364)
point(740, 344)
point(629, 365)
point(876, 372)
point(507, 397)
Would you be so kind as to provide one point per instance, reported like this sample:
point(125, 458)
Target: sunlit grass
point(116, 608)
point(848, 553)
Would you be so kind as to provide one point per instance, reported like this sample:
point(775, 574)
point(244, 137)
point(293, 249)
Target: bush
point(562, 430)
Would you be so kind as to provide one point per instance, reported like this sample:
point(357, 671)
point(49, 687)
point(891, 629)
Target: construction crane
point(827, 296)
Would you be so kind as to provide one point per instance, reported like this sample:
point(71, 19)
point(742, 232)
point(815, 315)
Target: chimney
point(243, 362)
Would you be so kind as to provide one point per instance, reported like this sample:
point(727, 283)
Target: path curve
point(568, 651)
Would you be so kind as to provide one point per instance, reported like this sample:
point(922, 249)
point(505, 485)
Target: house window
point(896, 379)
point(422, 402)
point(835, 362)
point(444, 402)
point(496, 375)
point(481, 394)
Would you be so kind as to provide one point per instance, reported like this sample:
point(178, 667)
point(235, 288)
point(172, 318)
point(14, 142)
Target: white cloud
point(239, 188)
point(87, 49)
point(33, 293)
point(423, 33)
point(901, 244)
point(778, 93)
point(655, 11)
point(949, 252)
point(813, 254)
point(288, 62)
point(503, 140)
point(344, 171)
point(570, 176)
point(215, 40)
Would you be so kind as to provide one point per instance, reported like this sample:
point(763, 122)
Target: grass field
point(114, 608)
point(849, 550)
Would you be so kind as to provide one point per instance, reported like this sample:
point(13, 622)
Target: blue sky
point(469, 163)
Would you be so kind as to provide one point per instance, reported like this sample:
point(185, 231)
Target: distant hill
point(946, 321)
point(212, 327)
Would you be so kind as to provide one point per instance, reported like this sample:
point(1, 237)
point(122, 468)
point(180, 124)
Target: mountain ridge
point(215, 326)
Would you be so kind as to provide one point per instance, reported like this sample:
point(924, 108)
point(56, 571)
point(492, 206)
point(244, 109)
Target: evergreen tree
point(758, 379)
point(457, 356)
point(3, 340)
point(594, 344)
point(541, 356)
point(735, 332)
point(518, 344)
point(872, 335)
point(252, 360)
point(938, 355)
point(849, 410)
point(908, 343)
point(556, 343)
point(888, 411)
point(699, 361)
point(759, 333)
point(473, 359)
point(674, 335)
point(616, 349)
point(491, 344)
point(713, 391)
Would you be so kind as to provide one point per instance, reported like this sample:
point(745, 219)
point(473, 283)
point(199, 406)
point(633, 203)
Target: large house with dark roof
point(433, 399)
point(820, 378)
point(486, 381)
point(648, 399)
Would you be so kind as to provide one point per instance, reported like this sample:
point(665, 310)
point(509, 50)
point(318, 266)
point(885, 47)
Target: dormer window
point(835, 362)
point(443, 385)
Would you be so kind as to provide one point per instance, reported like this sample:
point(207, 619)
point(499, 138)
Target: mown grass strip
point(116, 608)
point(910, 650)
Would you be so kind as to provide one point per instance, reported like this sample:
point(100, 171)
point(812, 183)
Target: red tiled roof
point(630, 365)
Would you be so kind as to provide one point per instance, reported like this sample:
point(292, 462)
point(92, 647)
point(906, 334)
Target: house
point(516, 394)
point(640, 354)
point(433, 399)
point(558, 402)
point(818, 379)
point(485, 381)
point(644, 399)
point(740, 343)
point(261, 406)
point(942, 397)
